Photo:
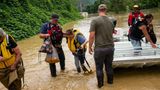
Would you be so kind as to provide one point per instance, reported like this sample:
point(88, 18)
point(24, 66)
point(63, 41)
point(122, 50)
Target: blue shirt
point(44, 28)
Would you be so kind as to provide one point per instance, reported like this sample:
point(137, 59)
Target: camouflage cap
point(102, 7)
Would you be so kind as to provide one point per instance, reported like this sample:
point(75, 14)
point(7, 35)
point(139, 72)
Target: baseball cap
point(136, 7)
point(102, 7)
point(55, 16)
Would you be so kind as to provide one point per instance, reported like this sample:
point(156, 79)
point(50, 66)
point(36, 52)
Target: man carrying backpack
point(53, 31)
point(77, 45)
point(139, 31)
point(10, 62)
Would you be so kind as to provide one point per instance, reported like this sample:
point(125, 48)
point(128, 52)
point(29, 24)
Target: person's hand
point(82, 46)
point(13, 67)
point(90, 50)
point(1, 58)
point(115, 31)
point(47, 35)
point(154, 46)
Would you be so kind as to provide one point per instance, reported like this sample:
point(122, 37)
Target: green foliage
point(121, 5)
point(94, 8)
point(23, 18)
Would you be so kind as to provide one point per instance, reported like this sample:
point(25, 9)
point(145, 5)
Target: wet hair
point(69, 31)
point(148, 16)
point(2, 33)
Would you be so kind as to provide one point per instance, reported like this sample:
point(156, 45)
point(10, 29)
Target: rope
point(23, 80)
point(39, 58)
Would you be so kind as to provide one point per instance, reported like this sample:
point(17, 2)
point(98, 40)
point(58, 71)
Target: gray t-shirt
point(103, 28)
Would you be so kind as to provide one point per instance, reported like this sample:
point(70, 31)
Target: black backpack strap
point(75, 43)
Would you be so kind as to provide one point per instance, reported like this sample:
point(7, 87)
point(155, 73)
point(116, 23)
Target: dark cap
point(55, 16)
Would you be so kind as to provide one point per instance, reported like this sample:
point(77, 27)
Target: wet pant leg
point(4, 79)
point(104, 56)
point(108, 64)
point(137, 46)
point(61, 58)
point(99, 58)
point(16, 85)
point(81, 57)
point(52, 69)
point(77, 63)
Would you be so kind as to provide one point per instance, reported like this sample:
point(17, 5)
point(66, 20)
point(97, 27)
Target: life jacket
point(9, 58)
point(73, 44)
point(134, 18)
point(56, 33)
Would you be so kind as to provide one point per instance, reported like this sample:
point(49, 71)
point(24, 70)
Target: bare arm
point(144, 30)
point(84, 44)
point(91, 40)
point(18, 57)
point(43, 35)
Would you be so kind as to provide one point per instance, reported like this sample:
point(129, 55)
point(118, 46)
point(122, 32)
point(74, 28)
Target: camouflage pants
point(4, 79)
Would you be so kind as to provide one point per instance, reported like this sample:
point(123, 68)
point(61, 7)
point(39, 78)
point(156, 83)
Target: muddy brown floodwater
point(37, 75)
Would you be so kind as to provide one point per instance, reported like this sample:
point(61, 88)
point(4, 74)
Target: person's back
point(103, 31)
point(136, 33)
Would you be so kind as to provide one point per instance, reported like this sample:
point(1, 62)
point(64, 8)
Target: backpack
point(56, 33)
point(76, 43)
